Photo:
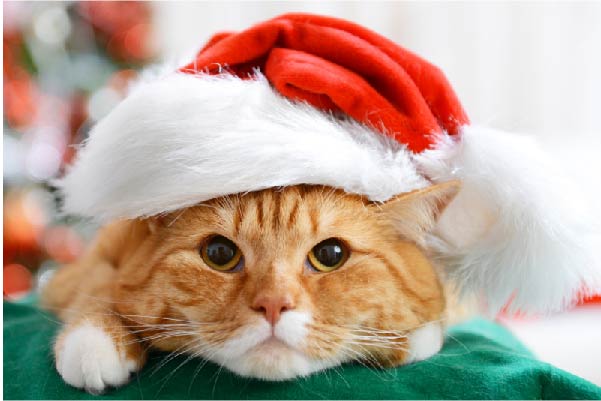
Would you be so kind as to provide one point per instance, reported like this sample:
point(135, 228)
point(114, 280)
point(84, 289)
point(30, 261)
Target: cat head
point(284, 282)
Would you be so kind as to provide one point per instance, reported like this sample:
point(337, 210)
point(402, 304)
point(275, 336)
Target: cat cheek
point(292, 328)
point(240, 343)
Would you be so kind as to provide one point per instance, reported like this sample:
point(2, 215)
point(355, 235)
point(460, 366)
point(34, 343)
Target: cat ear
point(414, 214)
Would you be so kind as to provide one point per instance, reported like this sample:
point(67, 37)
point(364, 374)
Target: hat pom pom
point(518, 235)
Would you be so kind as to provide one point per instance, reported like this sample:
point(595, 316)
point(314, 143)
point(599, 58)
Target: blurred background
point(531, 67)
point(66, 64)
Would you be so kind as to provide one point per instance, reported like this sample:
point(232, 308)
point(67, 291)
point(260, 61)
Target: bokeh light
point(66, 65)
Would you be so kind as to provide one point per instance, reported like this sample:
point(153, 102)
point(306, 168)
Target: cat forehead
point(291, 209)
point(296, 210)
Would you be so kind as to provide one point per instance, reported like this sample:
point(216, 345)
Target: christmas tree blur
point(66, 64)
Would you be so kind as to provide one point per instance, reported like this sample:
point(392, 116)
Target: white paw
point(88, 359)
point(425, 342)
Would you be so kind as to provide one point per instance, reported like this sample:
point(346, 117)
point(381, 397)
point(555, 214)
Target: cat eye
point(221, 254)
point(328, 255)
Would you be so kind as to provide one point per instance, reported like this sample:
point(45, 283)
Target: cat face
point(281, 283)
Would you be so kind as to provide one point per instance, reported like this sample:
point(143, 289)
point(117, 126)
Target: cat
point(273, 284)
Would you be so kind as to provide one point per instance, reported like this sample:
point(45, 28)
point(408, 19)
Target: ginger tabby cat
point(273, 284)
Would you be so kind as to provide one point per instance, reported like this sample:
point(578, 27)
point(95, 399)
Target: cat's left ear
point(414, 214)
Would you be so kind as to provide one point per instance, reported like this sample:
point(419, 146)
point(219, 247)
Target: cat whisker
point(378, 337)
point(365, 342)
point(203, 362)
point(358, 356)
point(158, 328)
point(131, 317)
point(153, 317)
point(365, 337)
point(168, 377)
point(174, 354)
point(212, 350)
point(368, 360)
point(160, 336)
point(378, 345)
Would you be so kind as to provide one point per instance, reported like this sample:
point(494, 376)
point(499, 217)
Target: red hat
point(304, 99)
point(339, 66)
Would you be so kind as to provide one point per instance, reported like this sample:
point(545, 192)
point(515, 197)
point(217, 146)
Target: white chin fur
point(253, 354)
point(276, 362)
point(518, 230)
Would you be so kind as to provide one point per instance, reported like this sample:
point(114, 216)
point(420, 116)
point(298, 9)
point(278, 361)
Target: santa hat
point(305, 99)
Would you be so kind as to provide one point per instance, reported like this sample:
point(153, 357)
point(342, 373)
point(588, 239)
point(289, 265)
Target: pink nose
point(272, 307)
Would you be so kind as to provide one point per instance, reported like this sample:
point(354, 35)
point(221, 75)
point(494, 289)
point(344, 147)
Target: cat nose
point(272, 307)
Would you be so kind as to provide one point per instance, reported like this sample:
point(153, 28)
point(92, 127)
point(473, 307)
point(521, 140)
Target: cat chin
point(275, 361)
point(277, 355)
point(260, 353)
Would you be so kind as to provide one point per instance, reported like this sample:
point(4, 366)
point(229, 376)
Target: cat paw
point(425, 342)
point(88, 358)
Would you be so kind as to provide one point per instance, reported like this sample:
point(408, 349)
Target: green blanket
point(480, 360)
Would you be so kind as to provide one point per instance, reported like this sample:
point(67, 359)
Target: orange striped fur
point(144, 283)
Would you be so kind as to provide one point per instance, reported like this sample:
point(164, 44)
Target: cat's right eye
point(328, 255)
point(221, 254)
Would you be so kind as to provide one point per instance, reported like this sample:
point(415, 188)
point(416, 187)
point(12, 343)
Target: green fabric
point(480, 360)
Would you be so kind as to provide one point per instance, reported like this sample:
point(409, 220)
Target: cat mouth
point(274, 342)
point(274, 345)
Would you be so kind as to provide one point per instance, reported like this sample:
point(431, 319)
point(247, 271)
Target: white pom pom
point(518, 231)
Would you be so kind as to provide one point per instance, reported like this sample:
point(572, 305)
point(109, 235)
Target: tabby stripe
point(293, 213)
point(314, 220)
point(397, 274)
point(276, 210)
point(237, 220)
point(259, 203)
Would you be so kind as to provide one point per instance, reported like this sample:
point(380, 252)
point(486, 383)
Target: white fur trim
point(180, 139)
point(517, 230)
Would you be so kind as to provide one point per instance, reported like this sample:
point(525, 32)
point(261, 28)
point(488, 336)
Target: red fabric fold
point(340, 66)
